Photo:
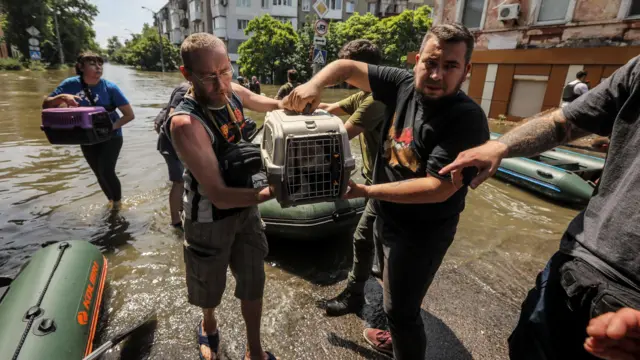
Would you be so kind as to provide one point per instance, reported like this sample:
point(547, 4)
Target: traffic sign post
point(319, 56)
point(319, 40)
point(34, 44)
point(321, 29)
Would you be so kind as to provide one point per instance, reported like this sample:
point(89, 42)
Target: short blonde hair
point(195, 42)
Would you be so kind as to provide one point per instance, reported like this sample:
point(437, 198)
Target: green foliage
point(113, 45)
point(35, 65)
point(144, 51)
point(75, 22)
point(400, 34)
point(10, 64)
point(270, 50)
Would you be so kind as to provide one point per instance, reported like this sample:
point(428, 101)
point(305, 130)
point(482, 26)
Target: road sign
point(34, 42)
point(33, 31)
point(321, 27)
point(319, 56)
point(35, 55)
point(321, 8)
point(319, 40)
point(34, 48)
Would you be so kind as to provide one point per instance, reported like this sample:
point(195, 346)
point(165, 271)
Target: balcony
point(176, 36)
point(195, 10)
point(218, 10)
point(221, 33)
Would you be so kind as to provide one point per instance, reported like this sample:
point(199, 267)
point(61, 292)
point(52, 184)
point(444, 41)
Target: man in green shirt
point(366, 119)
point(292, 77)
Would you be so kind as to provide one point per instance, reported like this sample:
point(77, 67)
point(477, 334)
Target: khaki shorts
point(237, 241)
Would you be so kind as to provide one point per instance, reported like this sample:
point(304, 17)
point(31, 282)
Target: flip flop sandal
point(270, 356)
point(211, 341)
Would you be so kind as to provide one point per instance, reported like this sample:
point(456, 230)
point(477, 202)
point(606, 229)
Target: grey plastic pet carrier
point(307, 157)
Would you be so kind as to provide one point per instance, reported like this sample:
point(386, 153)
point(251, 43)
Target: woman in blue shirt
point(90, 89)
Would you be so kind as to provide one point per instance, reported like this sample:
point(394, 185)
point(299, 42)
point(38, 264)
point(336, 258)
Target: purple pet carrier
point(76, 126)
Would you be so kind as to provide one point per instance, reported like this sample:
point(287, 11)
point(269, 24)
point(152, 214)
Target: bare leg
point(209, 327)
point(252, 314)
point(175, 201)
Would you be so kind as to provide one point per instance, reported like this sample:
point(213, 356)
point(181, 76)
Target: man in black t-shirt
point(597, 269)
point(418, 209)
point(169, 154)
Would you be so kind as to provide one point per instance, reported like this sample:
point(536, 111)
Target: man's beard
point(424, 98)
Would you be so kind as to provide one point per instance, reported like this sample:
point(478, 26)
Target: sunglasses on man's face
point(215, 78)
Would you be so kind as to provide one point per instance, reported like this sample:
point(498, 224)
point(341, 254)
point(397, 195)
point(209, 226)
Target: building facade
point(341, 10)
point(527, 50)
point(229, 18)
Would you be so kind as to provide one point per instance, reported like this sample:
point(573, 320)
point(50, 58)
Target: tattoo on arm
point(541, 133)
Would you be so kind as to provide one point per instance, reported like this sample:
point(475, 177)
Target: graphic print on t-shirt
point(84, 97)
point(398, 150)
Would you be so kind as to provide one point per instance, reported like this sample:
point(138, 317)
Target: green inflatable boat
point(311, 221)
point(562, 175)
point(51, 310)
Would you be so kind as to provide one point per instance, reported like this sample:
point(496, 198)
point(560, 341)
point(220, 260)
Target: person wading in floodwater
point(222, 223)
point(88, 88)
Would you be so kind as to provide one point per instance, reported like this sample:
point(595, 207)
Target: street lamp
point(155, 17)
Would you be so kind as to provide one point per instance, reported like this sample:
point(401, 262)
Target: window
point(351, 7)
point(629, 9)
point(242, 24)
point(265, 4)
point(220, 23)
point(553, 10)
point(243, 3)
point(527, 97)
point(634, 10)
point(282, 19)
point(372, 8)
point(335, 4)
point(472, 13)
point(282, 2)
point(306, 5)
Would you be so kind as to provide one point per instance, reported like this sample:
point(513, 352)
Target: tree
point(356, 27)
point(75, 21)
point(143, 51)
point(400, 34)
point(270, 49)
point(113, 45)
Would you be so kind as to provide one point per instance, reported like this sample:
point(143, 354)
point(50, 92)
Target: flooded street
point(48, 193)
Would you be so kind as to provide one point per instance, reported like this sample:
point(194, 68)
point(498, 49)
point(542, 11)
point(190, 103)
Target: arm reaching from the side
point(615, 336)
point(353, 72)
point(542, 132)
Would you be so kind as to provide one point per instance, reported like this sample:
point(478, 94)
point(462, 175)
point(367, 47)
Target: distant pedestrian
point(292, 82)
point(574, 89)
point(254, 86)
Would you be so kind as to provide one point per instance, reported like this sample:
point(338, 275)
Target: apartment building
point(341, 10)
point(527, 50)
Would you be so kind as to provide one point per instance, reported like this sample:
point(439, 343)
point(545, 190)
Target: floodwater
point(48, 193)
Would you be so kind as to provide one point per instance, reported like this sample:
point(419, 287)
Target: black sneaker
point(346, 302)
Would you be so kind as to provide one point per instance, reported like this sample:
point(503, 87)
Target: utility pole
point(208, 27)
point(157, 18)
point(60, 50)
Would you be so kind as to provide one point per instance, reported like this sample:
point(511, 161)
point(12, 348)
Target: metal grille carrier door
point(307, 157)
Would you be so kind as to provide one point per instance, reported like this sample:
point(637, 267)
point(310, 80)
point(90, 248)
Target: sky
point(115, 16)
